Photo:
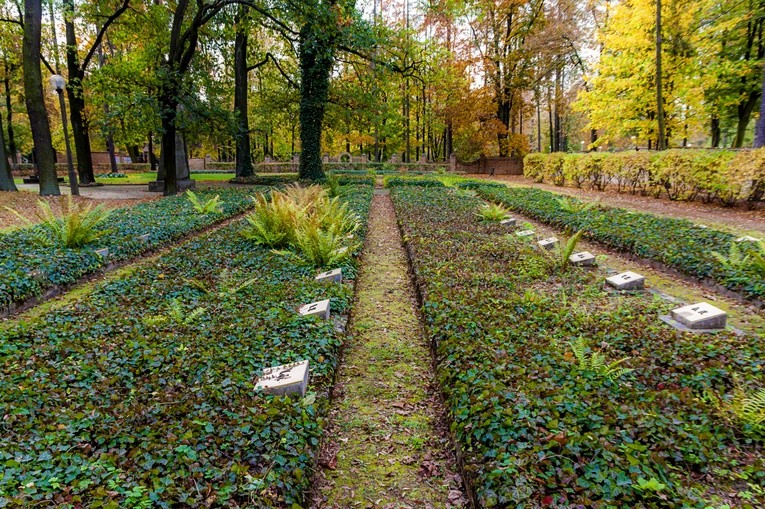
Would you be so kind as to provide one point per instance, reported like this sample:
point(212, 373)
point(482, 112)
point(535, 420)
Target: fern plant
point(211, 206)
point(595, 362)
point(272, 222)
point(576, 206)
point(744, 409)
point(319, 248)
point(175, 314)
point(492, 212)
point(77, 227)
point(567, 250)
point(334, 215)
point(306, 219)
point(740, 261)
point(225, 287)
point(332, 185)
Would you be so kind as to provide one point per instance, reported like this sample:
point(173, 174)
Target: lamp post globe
point(58, 83)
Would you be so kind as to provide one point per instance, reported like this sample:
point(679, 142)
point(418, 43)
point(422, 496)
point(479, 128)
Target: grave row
point(292, 378)
point(699, 317)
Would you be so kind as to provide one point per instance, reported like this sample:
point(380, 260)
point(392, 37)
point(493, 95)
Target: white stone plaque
point(548, 243)
point(700, 316)
point(103, 253)
point(747, 238)
point(331, 276)
point(320, 308)
point(286, 379)
point(585, 258)
point(627, 281)
point(510, 221)
point(143, 238)
point(525, 233)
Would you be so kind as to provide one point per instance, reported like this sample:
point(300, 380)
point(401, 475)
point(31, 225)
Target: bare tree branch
point(111, 19)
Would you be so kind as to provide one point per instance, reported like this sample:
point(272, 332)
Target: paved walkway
point(106, 192)
point(387, 447)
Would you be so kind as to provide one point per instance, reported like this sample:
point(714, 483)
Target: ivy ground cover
point(677, 243)
point(141, 394)
point(28, 268)
point(539, 427)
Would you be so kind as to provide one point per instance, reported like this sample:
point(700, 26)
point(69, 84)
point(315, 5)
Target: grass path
point(387, 446)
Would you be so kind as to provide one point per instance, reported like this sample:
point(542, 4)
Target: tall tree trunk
point(9, 105)
point(152, 158)
point(661, 141)
point(557, 115)
point(77, 100)
point(759, 130)
point(167, 171)
point(503, 115)
point(550, 119)
point(244, 166)
point(33, 92)
point(317, 56)
point(745, 110)
point(6, 177)
point(537, 95)
point(716, 132)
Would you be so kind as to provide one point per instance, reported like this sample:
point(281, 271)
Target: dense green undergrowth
point(546, 419)
point(28, 268)
point(141, 394)
point(677, 243)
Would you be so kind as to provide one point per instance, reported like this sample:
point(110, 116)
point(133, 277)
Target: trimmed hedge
point(538, 430)
point(104, 407)
point(27, 269)
point(711, 175)
point(267, 180)
point(392, 182)
point(677, 243)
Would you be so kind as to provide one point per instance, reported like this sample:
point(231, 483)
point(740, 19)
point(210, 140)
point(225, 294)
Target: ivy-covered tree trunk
point(45, 157)
point(77, 100)
point(243, 155)
point(317, 56)
point(6, 177)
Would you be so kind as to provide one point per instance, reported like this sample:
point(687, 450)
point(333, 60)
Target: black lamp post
point(59, 84)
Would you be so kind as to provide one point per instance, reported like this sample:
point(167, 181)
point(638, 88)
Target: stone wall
point(493, 165)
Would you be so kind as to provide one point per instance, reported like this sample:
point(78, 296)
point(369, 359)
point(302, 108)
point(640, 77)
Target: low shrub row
point(677, 243)
point(564, 394)
point(711, 175)
point(28, 268)
point(412, 181)
point(265, 180)
point(142, 394)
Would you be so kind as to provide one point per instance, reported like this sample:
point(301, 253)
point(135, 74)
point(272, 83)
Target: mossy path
point(387, 446)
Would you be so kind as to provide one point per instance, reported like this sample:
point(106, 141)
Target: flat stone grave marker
point(627, 281)
point(548, 243)
point(510, 221)
point(287, 379)
point(320, 308)
point(103, 252)
point(700, 316)
point(143, 238)
point(585, 258)
point(747, 238)
point(525, 233)
point(331, 276)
